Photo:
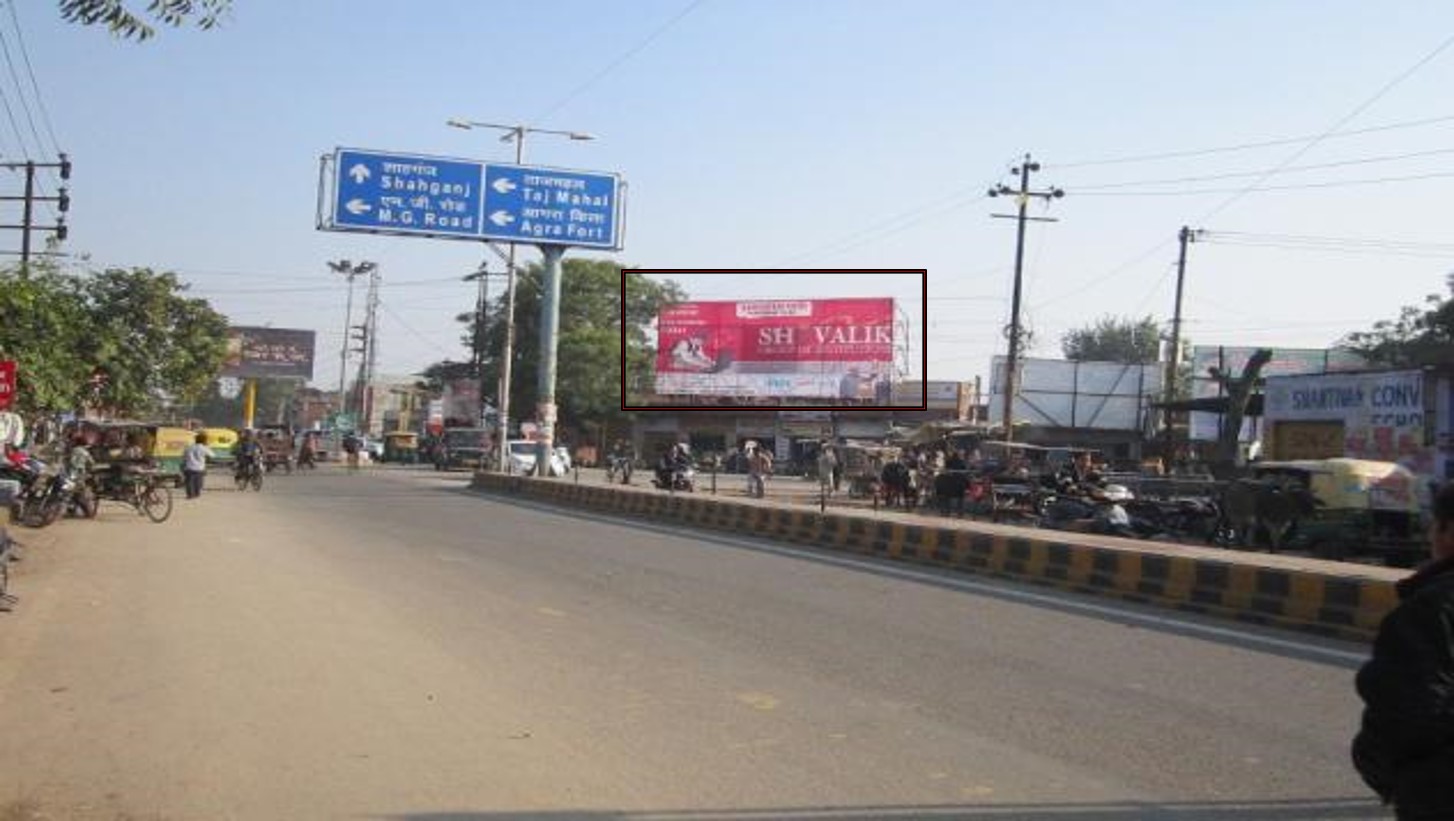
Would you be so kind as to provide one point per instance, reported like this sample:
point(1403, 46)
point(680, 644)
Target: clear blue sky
point(784, 133)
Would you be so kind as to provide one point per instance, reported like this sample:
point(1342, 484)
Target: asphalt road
point(389, 645)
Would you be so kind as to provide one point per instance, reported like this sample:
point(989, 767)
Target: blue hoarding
point(462, 199)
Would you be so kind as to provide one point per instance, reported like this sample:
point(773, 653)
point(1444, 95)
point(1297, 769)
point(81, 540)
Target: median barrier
point(1328, 598)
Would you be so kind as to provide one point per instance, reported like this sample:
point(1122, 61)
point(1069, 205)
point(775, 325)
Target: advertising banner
point(835, 348)
point(265, 353)
point(1380, 415)
point(7, 383)
point(1284, 362)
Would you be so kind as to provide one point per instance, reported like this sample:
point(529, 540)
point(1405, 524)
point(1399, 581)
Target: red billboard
point(7, 383)
point(838, 348)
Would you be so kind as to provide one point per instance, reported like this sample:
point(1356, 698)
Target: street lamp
point(350, 271)
point(517, 134)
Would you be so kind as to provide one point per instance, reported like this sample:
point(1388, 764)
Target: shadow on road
point(1292, 810)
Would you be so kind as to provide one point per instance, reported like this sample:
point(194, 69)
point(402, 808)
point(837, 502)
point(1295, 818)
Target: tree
point(1133, 342)
point(1239, 392)
point(127, 341)
point(156, 346)
point(1420, 336)
point(44, 317)
point(129, 25)
point(588, 369)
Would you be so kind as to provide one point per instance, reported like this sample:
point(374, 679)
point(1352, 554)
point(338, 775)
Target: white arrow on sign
point(357, 207)
point(359, 172)
point(502, 218)
point(503, 185)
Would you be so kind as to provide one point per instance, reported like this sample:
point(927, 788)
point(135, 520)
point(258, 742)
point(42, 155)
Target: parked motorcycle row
point(41, 494)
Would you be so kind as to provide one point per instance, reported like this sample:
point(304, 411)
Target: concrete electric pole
point(1023, 196)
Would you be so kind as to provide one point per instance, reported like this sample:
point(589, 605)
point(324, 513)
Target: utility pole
point(1186, 236)
point(480, 336)
point(368, 367)
point(27, 223)
point(1023, 195)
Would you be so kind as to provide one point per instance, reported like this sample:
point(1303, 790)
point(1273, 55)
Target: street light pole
point(517, 134)
point(1023, 195)
point(350, 272)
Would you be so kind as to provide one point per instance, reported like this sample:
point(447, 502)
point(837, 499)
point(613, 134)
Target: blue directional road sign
point(551, 206)
point(400, 193)
point(461, 199)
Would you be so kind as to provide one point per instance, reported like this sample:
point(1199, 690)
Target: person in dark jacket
point(1405, 748)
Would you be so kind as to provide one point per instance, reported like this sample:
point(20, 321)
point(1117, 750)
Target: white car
point(522, 458)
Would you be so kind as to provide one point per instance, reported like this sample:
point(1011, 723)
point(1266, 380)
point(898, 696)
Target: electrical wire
point(20, 95)
point(417, 335)
point(1308, 146)
point(1081, 189)
point(1171, 155)
point(881, 230)
point(35, 86)
point(1238, 193)
point(614, 64)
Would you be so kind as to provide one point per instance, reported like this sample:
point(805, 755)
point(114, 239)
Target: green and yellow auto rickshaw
point(1361, 509)
point(402, 447)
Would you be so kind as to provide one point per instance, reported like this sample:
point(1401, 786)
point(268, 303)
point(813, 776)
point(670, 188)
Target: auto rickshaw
point(1362, 508)
point(221, 441)
point(402, 447)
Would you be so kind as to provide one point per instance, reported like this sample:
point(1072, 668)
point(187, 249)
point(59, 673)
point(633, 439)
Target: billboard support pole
point(549, 345)
point(249, 402)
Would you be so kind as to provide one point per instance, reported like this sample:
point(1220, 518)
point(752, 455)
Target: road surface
point(389, 645)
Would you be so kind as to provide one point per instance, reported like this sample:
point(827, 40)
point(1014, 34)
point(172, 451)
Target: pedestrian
point(194, 465)
point(351, 447)
point(759, 467)
point(1405, 748)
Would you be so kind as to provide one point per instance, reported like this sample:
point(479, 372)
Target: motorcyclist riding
point(249, 454)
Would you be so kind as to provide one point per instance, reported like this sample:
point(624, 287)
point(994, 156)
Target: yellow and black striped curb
point(1328, 603)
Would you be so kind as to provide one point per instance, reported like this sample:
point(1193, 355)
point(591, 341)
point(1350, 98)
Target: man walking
point(1405, 748)
point(194, 465)
point(759, 467)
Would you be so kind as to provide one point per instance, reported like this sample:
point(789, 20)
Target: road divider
point(1333, 599)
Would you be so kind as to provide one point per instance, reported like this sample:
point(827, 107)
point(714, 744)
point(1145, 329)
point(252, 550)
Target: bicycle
point(142, 489)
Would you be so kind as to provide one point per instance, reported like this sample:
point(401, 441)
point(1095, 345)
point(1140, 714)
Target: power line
point(1238, 193)
point(1358, 242)
point(35, 86)
point(1198, 152)
point(20, 94)
point(1352, 115)
point(1290, 169)
point(1387, 87)
point(417, 335)
point(614, 64)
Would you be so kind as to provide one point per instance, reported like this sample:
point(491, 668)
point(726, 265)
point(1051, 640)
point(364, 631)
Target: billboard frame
point(923, 345)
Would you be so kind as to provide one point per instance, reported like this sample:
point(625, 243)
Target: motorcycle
point(619, 466)
point(682, 478)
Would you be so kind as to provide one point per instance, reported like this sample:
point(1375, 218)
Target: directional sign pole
point(549, 344)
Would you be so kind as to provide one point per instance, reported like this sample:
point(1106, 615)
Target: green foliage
point(588, 369)
point(155, 346)
point(129, 25)
point(1420, 336)
point(1110, 339)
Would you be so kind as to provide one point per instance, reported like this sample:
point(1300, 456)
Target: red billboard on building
point(838, 348)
